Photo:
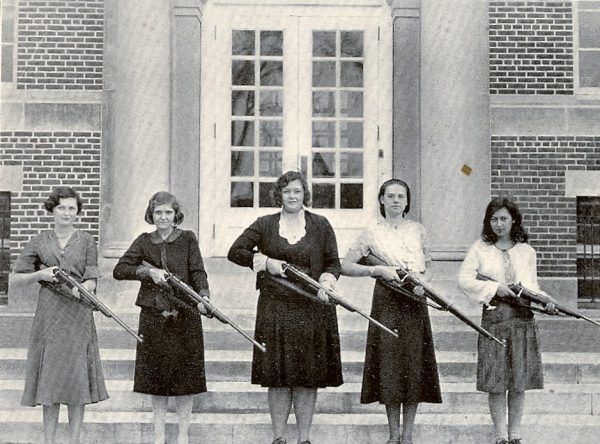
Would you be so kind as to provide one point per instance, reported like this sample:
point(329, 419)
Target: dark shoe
point(305, 442)
point(515, 441)
point(502, 441)
point(279, 440)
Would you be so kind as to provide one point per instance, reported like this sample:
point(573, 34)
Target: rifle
point(210, 308)
point(338, 300)
point(90, 298)
point(533, 296)
point(407, 277)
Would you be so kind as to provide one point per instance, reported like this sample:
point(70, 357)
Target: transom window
point(587, 50)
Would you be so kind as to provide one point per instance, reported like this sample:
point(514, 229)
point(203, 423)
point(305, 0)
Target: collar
point(157, 238)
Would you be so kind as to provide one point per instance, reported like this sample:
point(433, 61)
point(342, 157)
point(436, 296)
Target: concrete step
point(25, 425)
point(234, 365)
point(243, 397)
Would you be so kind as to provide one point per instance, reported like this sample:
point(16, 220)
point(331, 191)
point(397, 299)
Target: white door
point(294, 93)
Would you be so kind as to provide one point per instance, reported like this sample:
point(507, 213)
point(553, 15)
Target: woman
point(63, 361)
point(301, 334)
point(170, 361)
point(503, 255)
point(399, 372)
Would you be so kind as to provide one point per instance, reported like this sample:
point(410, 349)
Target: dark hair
point(517, 232)
point(386, 184)
point(284, 181)
point(163, 198)
point(59, 193)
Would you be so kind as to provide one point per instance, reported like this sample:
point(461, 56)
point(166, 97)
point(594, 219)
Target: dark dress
point(170, 361)
point(63, 360)
point(301, 335)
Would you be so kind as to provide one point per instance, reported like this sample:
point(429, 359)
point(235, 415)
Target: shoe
point(502, 441)
point(394, 441)
point(305, 442)
point(515, 441)
point(279, 440)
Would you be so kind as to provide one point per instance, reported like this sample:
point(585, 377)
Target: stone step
point(243, 397)
point(25, 426)
point(234, 365)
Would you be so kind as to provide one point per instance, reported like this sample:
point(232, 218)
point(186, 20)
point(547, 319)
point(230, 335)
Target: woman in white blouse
point(399, 372)
point(503, 255)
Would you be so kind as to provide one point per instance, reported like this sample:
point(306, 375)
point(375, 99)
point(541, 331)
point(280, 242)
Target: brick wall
point(60, 44)
point(50, 159)
point(532, 170)
point(531, 47)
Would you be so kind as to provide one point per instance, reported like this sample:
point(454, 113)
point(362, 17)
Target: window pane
point(271, 103)
point(351, 134)
point(351, 195)
point(242, 103)
point(323, 134)
point(242, 194)
point(265, 195)
point(324, 44)
point(242, 43)
point(323, 195)
point(589, 29)
point(589, 68)
point(351, 165)
point(271, 43)
point(242, 72)
point(351, 104)
point(323, 74)
point(269, 164)
point(323, 165)
point(7, 63)
point(271, 73)
point(242, 163)
point(242, 133)
point(351, 74)
point(8, 24)
point(352, 44)
point(323, 104)
point(271, 133)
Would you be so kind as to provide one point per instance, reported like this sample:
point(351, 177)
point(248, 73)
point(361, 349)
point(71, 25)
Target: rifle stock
point(338, 300)
point(431, 294)
point(92, 300)
point(210, 308)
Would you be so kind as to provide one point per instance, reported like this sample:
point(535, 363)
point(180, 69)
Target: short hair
point(517, 231)
point(163, 198)
point(284, 181)
point(386, 184)
point(59, 193)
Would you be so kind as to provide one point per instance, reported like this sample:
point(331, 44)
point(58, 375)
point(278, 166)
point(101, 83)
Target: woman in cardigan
point(303, 348)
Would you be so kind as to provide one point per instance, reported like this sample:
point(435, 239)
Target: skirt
point(170, 361)
point(63, 359)
point(516, 367)
point(403, 369)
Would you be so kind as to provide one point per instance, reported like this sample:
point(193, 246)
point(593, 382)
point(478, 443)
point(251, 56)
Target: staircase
point(234, 411)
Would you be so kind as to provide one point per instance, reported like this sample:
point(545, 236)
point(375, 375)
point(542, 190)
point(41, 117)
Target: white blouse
point(488, 260)
point(404, 244)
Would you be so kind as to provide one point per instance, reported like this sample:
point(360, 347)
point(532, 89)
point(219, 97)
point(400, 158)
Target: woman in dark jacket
point(301, 334)
point(170, 361)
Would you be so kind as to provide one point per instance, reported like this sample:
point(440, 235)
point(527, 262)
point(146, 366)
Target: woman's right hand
point(46, 274)
point(275, 266)
point(386, 272)
point(504, 291)
point(158, 276)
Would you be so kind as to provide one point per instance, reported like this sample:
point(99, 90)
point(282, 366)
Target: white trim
point(582, 183)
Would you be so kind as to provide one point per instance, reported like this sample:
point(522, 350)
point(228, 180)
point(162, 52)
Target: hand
point(46, 274)
point(275, 266)
point(202, 309)
point(504, 291)
point(550, 308)
point(419, 290)
point(386, 272)
point(158, 276)
point(328, 281)
point(75, 293)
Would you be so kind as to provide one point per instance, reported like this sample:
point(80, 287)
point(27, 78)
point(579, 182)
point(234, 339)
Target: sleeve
point(331, 260)
point(29, 260)
point(198, 276)
point(362, 244)
point(243, 249)
point(130, 265)
point(425, 245)
point(478, 290)
point(91, 259)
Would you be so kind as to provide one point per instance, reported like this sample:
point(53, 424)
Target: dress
point(518, 366)
point(403, 369)
point(170, 361)
point(63, 360)
point(301, 335)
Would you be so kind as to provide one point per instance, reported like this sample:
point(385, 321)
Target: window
point(4, 244)
point(586, 15)
point(8, 14)
point(588, 247)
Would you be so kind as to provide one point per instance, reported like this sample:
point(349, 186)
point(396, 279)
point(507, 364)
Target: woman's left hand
point(203, 311)
point(550, 308)
point(419, 290)
point(75, 293)
point(328, 281)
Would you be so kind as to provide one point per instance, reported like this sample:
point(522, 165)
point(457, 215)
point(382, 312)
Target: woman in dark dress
point(505, 373)
point(399, 372)
point(63, 360)
point(303, 348)
point(170, 361)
